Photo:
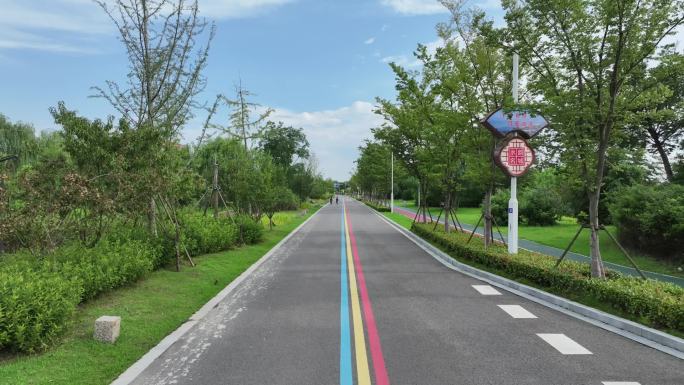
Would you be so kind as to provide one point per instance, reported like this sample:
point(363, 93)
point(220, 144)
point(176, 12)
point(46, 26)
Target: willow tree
point(581, 53)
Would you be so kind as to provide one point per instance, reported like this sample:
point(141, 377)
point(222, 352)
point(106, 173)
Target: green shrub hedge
point(39, 295)
point(34, 306)
point(250, 232)
point(382, 209)
point(660, 304)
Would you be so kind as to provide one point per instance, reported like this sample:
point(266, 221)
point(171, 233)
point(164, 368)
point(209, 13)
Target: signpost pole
point(513, 202)
point(392, 190)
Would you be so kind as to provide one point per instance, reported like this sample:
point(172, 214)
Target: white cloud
point(76, 25)
point(226, 9)
point(370, 40)
point(334, 135)
point(415, 7)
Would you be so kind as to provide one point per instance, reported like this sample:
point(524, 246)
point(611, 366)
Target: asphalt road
point(356, 302)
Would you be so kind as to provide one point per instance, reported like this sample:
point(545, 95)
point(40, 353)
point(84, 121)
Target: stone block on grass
point(107, 328)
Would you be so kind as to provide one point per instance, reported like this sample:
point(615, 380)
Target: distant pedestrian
point(331, 199)
point(337, 200)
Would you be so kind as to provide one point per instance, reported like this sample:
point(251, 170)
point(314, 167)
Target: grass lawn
point(561, 234)
point(150, 309)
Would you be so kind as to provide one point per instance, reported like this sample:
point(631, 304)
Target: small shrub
point(206, 234)
point(105, 267)
point(540, 206)
point(250, 232)
point(651, 219)
point(34, 307)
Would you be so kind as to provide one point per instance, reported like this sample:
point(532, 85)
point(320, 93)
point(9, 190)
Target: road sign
point(514, 155)
point(501, 123)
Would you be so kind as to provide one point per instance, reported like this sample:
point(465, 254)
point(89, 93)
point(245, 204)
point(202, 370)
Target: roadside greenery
point(598, 70)
point(150, 309)
point(102, 203)
point(656, 304)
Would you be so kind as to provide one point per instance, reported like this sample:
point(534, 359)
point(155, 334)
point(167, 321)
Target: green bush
point(651, 219)
point(206, 234)
point(34, 307)
point(382, 209)
point(660, 304)
point(109, 265)
point(500, 207)
point(250, 232)
point(540, 206)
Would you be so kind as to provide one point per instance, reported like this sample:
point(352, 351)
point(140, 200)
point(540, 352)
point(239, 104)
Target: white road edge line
point(139, 366)
point(564, 344)
point(517, 311)
point(486, 290)
point(591, 316)
point(620, 383)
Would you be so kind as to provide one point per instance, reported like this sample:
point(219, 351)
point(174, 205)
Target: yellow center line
point(362, 371)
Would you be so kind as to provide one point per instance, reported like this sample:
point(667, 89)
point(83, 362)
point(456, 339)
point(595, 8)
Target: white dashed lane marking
point(486, 290)
point(517, 311)
point(620, 383)
point(564, 344)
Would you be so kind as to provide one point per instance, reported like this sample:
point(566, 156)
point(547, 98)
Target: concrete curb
point(139, 366)
point(647, 336)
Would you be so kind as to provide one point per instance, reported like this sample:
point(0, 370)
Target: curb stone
point(146, 360)
point(650, 337)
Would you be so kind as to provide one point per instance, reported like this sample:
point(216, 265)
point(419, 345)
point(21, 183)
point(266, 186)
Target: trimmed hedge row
point(39, 296)
point(382, 209)
point(659, 304)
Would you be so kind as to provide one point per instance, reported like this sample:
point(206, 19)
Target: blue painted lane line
point(345, 337)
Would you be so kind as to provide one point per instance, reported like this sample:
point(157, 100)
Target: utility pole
point(392, 189)
point(513, 202)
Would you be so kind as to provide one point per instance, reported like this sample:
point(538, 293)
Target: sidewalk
point(555, 252)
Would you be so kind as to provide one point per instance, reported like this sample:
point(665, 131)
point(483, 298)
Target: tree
point(241, 125)
point(658, 107)
point(165, 66)
point(283, 143)
point(581, 53)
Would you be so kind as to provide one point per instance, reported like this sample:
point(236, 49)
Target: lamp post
point(513, 201)
point(392, 189)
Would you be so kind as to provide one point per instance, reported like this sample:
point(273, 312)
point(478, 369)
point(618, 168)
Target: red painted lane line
point(373, 337)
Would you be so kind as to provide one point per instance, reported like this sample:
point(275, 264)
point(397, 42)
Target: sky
point(320, 64)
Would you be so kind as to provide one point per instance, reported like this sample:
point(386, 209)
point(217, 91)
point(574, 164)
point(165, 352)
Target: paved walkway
point(348, 300)
point(556, 252)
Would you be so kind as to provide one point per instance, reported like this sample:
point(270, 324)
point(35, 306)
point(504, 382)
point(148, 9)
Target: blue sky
point(319, 63)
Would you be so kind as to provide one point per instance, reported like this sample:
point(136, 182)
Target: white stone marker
point(107, 328)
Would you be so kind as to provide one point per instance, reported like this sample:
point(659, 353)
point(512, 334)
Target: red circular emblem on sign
point(514, 156)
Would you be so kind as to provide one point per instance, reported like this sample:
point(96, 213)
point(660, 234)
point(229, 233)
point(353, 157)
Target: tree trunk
point(447, 211)
point(597, 269)
point(663, 154)
point(488, 217)
point(152, 217)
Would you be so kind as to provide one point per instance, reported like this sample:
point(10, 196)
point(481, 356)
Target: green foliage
point(105, 267)
point(251, 232)
point(660, 304)
point(651, 219)
point(540, 206)
point(34, 307)
point(376, 207)
point(283, 143)
point(500, 206)
point(205, 234)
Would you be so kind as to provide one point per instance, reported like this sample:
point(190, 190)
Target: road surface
point(350, 300)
